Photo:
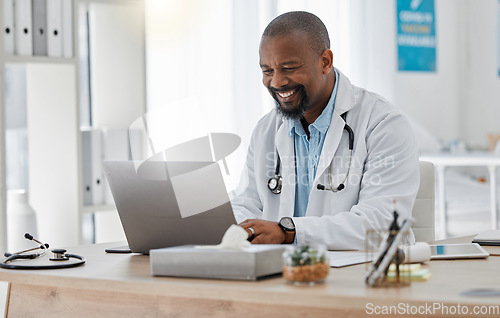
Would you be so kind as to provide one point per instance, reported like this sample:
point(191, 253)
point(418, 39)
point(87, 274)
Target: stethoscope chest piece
point(275, 184)
point(59, 255)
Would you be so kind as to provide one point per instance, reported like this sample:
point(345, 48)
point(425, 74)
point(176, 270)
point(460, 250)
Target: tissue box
point(250, 263)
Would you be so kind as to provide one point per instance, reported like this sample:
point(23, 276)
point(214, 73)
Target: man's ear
point(327, 61)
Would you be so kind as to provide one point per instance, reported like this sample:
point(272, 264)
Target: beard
point(296, 112)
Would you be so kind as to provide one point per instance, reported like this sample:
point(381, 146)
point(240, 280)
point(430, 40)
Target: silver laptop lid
point(163, 204)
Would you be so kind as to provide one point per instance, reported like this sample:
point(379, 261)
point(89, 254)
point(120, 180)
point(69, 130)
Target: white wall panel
point(53, 138)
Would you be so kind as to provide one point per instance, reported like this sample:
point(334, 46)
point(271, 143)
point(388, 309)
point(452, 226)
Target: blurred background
point(189, 68)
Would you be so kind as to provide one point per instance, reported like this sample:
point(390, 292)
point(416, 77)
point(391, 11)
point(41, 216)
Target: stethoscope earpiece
point(330, 188)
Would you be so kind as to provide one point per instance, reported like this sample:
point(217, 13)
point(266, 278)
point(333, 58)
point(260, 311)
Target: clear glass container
point(395, 272)
point(305, 264)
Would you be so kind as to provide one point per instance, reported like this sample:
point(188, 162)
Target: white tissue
point(235, 238)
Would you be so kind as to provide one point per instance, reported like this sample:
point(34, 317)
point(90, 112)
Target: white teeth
point(286, 94)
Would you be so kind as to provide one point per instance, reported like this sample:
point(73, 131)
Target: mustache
point(274, 90)
point(296, 112)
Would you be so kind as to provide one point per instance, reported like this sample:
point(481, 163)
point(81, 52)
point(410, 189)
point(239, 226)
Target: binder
point(39, 27)
point(23, 30)
point(118, 145)
point(93, 190)
point(136, 140)
point(54, 25)
point(67, 28)
point(115, 148)
point(8, 24)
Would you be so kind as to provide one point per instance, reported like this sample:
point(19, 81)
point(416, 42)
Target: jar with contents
point(305, 264)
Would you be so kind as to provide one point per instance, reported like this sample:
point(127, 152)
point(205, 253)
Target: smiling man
point(328, 162)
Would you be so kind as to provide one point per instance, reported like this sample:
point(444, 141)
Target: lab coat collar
point(345, 95)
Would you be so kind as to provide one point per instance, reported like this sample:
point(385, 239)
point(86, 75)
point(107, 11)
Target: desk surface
point(121, 284)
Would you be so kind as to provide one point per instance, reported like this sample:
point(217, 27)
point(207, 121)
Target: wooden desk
point(120, 285)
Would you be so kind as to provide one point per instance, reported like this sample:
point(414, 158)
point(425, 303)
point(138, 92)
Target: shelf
point(16, 59)
point(57, 89)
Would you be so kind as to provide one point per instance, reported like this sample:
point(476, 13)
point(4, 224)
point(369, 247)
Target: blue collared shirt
point(308, 151)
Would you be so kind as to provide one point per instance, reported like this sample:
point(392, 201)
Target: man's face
point(293, 73)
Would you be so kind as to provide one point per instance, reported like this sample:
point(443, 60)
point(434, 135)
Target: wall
point(459, 100)
point(480, 108)
point(117, 71)
point(53, 134)
point(117, 64)
point(191, 87)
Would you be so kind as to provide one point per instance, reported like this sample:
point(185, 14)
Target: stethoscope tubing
point(277, 179)
point(6, 262)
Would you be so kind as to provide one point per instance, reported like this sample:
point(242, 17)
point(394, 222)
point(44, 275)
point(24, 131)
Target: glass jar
point(305, 264)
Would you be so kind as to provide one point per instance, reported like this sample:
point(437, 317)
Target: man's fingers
point(251, 232)
point(247, 221)
point(257, 240)
point(249, 228)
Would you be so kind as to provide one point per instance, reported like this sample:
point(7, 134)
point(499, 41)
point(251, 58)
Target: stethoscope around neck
point(276, 183)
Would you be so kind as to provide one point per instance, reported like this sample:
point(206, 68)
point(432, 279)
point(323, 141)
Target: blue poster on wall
point(416, 36)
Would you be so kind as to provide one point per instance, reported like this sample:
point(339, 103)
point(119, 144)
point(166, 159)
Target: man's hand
point(265, 232)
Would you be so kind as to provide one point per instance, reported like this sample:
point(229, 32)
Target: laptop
point(163, 204)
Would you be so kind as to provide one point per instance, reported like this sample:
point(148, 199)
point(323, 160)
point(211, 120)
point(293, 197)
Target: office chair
point(423, 209)
point(496, 151)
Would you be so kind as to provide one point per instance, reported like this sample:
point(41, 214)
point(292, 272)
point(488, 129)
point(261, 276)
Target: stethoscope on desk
point(60, 256)
point(276, 183)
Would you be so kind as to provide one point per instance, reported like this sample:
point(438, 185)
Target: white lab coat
point(384, 168)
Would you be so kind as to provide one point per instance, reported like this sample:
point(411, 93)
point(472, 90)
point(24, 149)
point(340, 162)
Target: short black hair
point(300, 21)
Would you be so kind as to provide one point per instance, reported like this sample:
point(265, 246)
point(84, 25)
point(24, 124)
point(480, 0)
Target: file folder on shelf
point(115, 148)
point(8, 26)
point(67, 28)
point(93, 190)
point(23, 28)
point(118, 145)
point(39, 27)
point(54, 25)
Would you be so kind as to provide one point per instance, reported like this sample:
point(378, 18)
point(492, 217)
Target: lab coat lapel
point(285, 148)
point(332, 140)
point(343, 102)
